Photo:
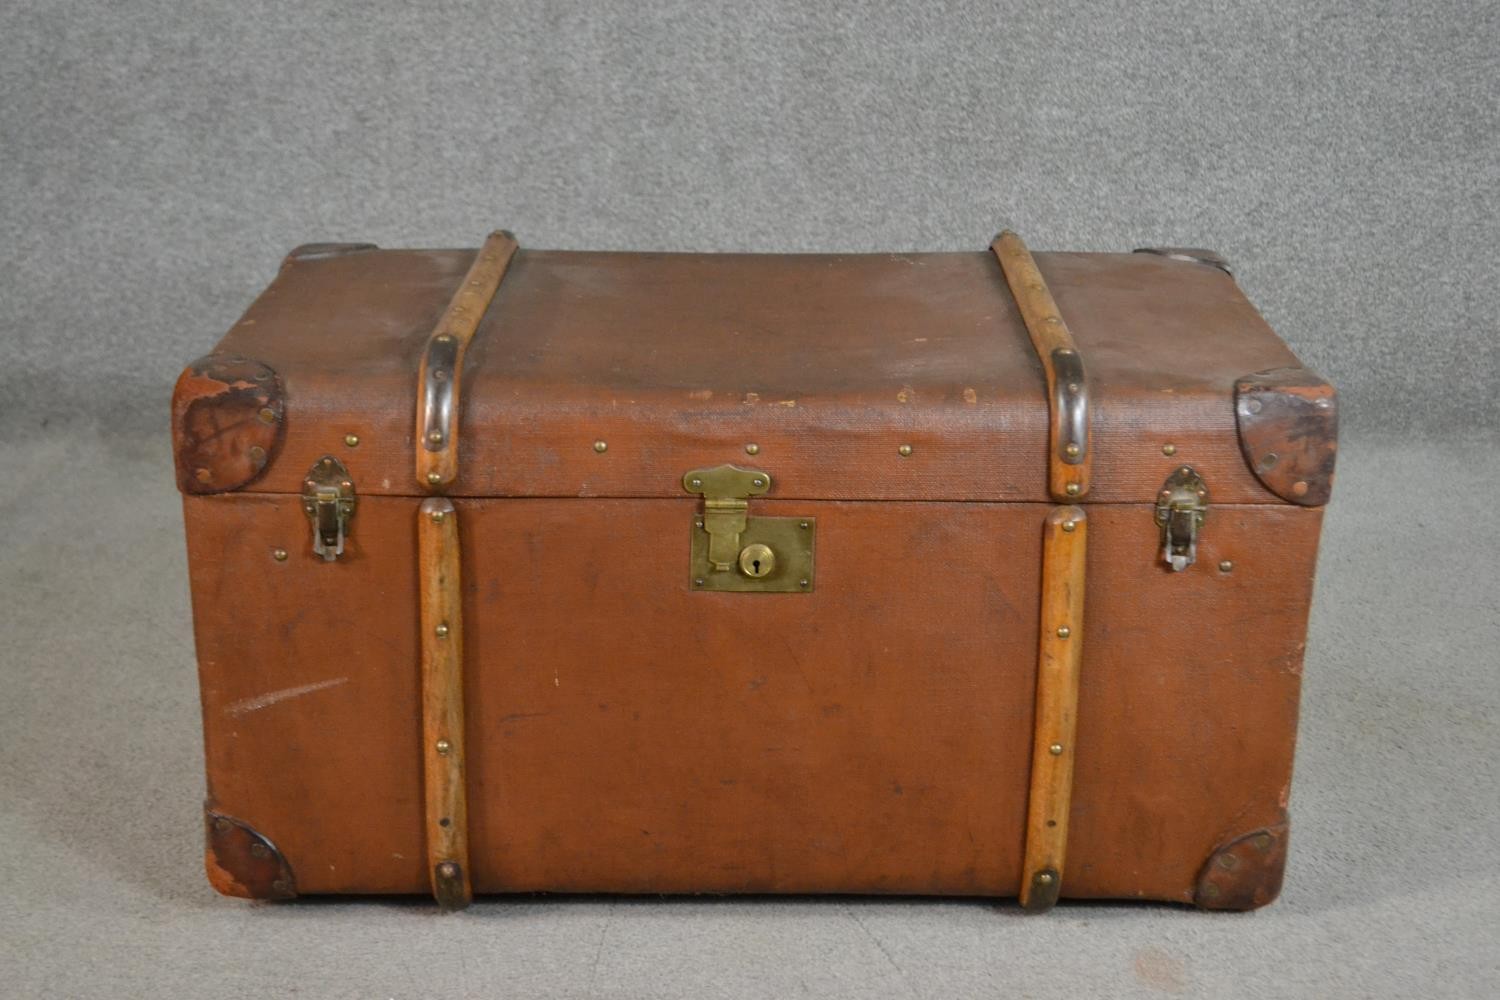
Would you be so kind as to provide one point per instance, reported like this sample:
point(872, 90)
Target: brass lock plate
point(775, 557)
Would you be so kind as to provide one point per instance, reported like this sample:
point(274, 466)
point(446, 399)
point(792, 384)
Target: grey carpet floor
point(1393, 888)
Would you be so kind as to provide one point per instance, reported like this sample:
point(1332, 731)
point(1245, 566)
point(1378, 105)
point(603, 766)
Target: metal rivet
point(443, 747)
point(758, 482)
point(1045, 878)
point(697, 482)
point(1169, 449)
point(1185, 470)
point(441, 631)
point(804, 583)
point(448, 869)
point(1069, 525)
point(1071, 450)
point(280, 885)
point(223, 825)
point(1072, 489)
point(203, 475)
point(1055, 749)
point(279, 555)
point(1254, 406)
point(1226, 566)
point(1263, 842)
point(1228, 861)
point(698, 582)
point(444, 338)
point(436, 437)
point(347, 484)
point(257, 455)
point(1211, 890)
point(1299, 487)
point(352, 440)
point(752, 449)
point(1063, 632)
point(438, 516)
point(601, 446)
point(698, 524)
point(267, 415)
point(265, 376)
point(260, 850)
point(434, 478)
point(904, 450)
point(803, 525)
point(440, 374)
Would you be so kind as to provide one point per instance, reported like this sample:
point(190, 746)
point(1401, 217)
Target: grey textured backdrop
point(159, 158)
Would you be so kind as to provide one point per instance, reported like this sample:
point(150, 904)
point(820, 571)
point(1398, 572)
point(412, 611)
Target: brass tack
point(1211, 890)
point(347, 484)
point(203, 475)
point(259, 850)
point(1228, 861)
point(804, 525)
point(698, 582)
point(1226, 566)
point(279, 555)
point(326, 462)
point(698, 524)
point(1263, 842)
point(697, 482)
point(904, 450)
point(758, 482)
point(1185, 471)
point(434, 478)
point(752, 449)
point(1063, 632)
point(1069, 525)
point(444, 338)
point(352, 440)
point(601, 446)
point(1045, 878)
point(436, 437)
point(1169, 449)
point(804, 583)
point(267, 415)
point(1071, 450)
point(257, 455)
point(222, 825)
point(443, 747)
point(1055, 749)
point(442, 631)
point(448, 869)
point(438, 516)
point(1072, 489)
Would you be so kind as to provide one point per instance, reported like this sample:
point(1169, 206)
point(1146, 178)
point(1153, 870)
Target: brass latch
point(1180, 508)
point(736, 552)
point(328, 499)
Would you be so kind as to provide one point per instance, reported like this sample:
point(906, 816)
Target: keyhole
point(757, 561)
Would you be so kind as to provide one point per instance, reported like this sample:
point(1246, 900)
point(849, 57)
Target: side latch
point(733, 551)
point(328, 499)
point(1180, 508)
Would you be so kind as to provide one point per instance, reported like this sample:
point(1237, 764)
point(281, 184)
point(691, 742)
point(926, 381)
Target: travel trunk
point(942, 573)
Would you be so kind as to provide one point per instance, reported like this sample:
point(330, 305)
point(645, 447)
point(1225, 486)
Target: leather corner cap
point(1288, 427)
point(227, 417)
point(241, 862)
point(1244, 873)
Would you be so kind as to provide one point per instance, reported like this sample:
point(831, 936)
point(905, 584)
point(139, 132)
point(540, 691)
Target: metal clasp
point(1180, 508)
point(726, 494)
point(328, 500)
point(732, 551)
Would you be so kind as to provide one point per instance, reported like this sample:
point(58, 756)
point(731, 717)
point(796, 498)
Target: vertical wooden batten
point(443, 703)
point(1059, 657)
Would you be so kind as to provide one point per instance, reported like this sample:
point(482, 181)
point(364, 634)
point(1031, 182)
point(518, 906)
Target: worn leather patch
point(242, 862)
point(1244, 873)
point(1288, 426)
point(227, 418)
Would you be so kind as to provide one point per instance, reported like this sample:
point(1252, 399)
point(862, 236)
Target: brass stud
point(698, 582)
point(279, 555)
point(203, 476)
point(904, 450)
point(1072, 489)
point(804, 583)
point(448, 869)
point(444, 338)
point(1069, 525)
point(697, 482)
point(434, 478)
point(1169, 449)
point(752, 449)
point(352, 440)
point(435, 437)
point(804, 525)
point(1228, 861)
point(1055, 749)
point(438, 516)
point(223, 825)
point(260, 850)
point(758, 483)
point(698, 524)
point(1211, 890)
point(443, 747)
point(267, 415)
point(1226, 566)
point(257, 455)
point(1044, 878)
point(1063, 632)
point(441, 631)
point(601, 446)
point(1071, 450)
point(1263, 842)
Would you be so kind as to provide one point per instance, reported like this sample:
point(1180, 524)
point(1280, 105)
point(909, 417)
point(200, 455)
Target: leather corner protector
point(242, 862)
point(1288, 427)
point(321, 251)
point(227, 417)
point(1244, 873)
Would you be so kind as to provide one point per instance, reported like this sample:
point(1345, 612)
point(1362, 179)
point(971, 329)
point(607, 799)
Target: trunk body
point(626, 730)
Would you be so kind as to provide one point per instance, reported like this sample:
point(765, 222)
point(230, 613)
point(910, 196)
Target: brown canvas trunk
point(599, 708)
